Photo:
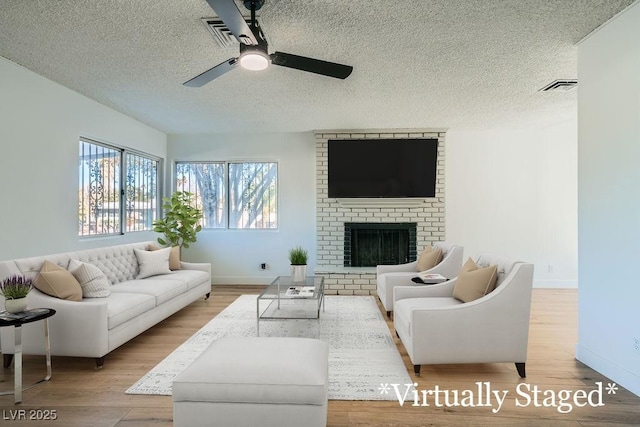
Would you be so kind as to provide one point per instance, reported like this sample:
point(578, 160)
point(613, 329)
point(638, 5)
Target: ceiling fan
point(254, 53)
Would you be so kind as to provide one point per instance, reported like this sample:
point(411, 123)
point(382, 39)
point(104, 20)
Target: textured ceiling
point(464, 64)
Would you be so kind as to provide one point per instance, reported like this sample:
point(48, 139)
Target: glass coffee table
point(284, 299)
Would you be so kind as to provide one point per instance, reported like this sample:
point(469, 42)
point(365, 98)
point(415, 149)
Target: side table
point(17, 320)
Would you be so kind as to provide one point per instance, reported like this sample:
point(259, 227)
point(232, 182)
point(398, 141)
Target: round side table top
point(27, 316)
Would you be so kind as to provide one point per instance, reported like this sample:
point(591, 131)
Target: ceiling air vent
point(220, 31)
point(560, 86)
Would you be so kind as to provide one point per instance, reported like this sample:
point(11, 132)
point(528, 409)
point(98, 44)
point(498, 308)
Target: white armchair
point(436, 328)
point(390, 276)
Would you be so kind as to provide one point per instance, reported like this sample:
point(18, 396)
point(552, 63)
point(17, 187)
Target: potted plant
point(180, 222)
point(298, 259)
point(15, 290)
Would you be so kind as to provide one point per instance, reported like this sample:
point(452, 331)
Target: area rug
point(362, 353)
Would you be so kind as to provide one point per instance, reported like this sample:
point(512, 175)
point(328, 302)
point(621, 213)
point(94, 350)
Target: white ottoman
point(254, 381)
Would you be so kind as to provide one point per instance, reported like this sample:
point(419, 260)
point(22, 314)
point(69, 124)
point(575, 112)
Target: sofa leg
point(521, 371)
point(206, 297)
point(416, 369)
point(389, 314)
point(397, 334)
point(99, 362)
point(6, 360)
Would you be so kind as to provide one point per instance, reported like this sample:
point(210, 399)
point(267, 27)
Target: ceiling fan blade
point(311, 65)
point(233, 19)
point(212, 73)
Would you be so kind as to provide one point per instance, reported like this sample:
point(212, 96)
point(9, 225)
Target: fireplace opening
point(371, 244)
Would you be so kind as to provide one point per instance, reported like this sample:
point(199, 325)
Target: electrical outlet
point(636, 344)
point(550, 268)
point(263, 266)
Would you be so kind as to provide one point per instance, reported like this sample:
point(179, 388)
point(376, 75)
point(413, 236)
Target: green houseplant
point(15, 290)
point(298, 259)
point(180, 222)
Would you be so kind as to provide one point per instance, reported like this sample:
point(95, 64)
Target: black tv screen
point(392, 168)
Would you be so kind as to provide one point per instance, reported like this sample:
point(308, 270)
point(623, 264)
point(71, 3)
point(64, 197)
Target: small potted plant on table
point(298, 260)
point(15, 290)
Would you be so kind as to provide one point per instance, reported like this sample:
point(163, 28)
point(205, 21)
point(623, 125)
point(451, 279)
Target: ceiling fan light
point(254, 61)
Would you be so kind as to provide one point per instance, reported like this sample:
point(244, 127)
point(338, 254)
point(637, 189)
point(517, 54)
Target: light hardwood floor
point(82, 396)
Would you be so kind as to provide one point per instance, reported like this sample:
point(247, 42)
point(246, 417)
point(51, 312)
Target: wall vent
point(221, 32)
point(560, 86)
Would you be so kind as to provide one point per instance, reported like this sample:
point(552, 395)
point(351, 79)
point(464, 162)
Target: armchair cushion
point(474, 282)
point(429, 258)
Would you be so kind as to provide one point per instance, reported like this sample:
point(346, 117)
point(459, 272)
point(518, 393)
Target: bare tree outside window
point(233, 195)
point(253, 195)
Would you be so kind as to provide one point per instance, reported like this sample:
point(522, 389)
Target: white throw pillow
point(152, 263)
point(92, 280)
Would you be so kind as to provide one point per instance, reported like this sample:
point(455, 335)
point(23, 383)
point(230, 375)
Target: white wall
point(513, 193)
point(608, 199)
point(236, 255)
point(40, 123)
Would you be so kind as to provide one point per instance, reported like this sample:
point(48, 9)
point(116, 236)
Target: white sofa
point(436, 328)
point(390, 276)
point(94, 327)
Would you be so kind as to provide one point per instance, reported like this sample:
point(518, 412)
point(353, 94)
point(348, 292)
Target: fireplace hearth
point(371, 244)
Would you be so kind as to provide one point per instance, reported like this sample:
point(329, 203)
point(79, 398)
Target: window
point(232, 194)
point(117, 190)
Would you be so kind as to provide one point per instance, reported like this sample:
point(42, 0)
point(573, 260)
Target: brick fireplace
point(333, 216)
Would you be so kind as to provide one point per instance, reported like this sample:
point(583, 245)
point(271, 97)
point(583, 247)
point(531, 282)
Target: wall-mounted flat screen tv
point(388, 168)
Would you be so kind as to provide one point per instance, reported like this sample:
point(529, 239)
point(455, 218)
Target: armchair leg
point(521, 371)
point(206, 297)
point(389, 314)
point(416, 369)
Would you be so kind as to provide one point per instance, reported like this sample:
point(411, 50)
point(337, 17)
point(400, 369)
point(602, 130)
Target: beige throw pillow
point(473, 282)
point(153, 263)
point(57, 282)
point(174, 256)
point(92, 280)
point(429, 258)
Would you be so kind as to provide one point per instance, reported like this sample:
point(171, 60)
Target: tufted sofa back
point(118, 263)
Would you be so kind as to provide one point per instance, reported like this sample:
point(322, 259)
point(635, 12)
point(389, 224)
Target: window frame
point(123, 153)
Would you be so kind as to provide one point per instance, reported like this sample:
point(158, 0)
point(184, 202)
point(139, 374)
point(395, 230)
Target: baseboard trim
point(241, 280)
point(556, 284)
point(609, 369)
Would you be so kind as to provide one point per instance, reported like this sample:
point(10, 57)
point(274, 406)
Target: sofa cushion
point(193, 278)
point(174, 256)
point(152, 263)
point(161, 290)
point(473, 282)
point(93, 281)
point(125, 306)
point(429, 258)
point(57, 282)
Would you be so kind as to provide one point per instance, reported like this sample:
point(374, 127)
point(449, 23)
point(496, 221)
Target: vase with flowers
point(15, 290)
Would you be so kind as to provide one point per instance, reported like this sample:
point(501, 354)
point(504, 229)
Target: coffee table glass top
point(284, 288)
point(285, 299)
